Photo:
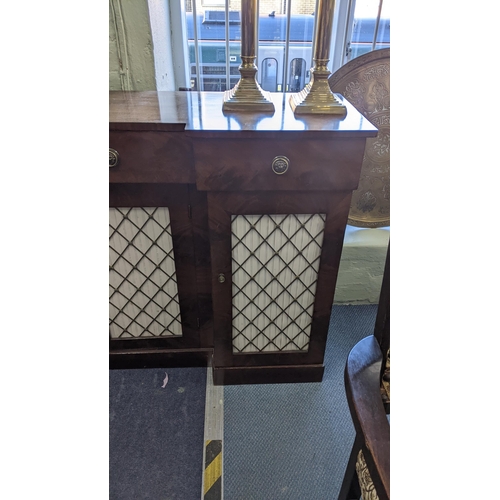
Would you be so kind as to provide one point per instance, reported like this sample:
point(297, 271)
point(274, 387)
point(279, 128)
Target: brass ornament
point(316, 97)
point(365, 480)
point(114, 157)
point(247, 94)
point(365, 83)
point(280, 165)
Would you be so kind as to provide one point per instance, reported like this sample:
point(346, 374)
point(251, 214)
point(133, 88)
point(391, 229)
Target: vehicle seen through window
point(273, 59)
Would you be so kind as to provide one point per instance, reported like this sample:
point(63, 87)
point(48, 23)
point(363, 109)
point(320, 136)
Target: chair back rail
point(382, 329)
point(362, 379)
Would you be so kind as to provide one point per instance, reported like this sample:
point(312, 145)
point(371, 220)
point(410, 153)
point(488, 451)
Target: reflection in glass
point(297, 75)
point(371, 27)
point(269, 76)
point(285, 34)
point(210, 40)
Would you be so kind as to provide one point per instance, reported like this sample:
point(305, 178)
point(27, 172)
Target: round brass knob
point(280, 165)
point(221, 278)
point(114, 157)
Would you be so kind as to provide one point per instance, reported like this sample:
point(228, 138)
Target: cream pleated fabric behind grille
point(143, 298)
point(275, 262)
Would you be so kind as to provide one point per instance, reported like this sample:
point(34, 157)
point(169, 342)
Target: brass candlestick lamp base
point(247, 94)
point(316, 97)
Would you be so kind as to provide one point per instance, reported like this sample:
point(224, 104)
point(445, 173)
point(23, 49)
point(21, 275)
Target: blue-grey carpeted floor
point(156, 434)
point(292, 441)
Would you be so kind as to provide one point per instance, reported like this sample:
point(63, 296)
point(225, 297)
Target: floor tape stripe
point(215, 492)
point(213, 462)
point(213, 468)
point(212, 449)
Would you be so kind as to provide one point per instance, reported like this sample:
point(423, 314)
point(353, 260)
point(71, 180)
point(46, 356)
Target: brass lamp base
point(316, 97)
point(247, 94)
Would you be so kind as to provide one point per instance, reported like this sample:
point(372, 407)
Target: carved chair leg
point(350, 489)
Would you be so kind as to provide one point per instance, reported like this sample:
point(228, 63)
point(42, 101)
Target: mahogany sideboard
point(226, 233)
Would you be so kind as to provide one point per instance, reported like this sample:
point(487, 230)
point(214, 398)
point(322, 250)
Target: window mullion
point(341, 33)
point(287, 45)
point(377, 23)
point(228, 56)
point(313, 42)
point(196, 54)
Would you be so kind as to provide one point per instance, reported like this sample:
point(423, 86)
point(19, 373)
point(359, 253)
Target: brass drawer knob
point(280, 165)
point(114, 157)
point(221, 278)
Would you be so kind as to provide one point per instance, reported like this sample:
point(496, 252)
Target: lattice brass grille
point(275, 262)
point(143, 300)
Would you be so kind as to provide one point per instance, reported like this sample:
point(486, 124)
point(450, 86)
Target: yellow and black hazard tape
point(212, 475)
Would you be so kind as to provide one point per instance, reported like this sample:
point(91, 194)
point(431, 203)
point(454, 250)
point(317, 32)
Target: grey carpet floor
point(292, 441)
point(156, 433)
point(283, 441)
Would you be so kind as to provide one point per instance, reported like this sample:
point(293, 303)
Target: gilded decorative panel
point(365, 83)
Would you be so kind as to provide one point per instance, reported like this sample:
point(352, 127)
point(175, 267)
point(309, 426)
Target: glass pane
point(384, 28)
point(211, 31)
point(272, 32)
point(365, 26)
point(272, 40)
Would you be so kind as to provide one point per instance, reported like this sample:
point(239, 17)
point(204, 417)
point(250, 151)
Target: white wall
point(162, 46)
point(362, 265)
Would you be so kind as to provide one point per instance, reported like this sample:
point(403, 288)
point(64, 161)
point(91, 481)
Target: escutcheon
point(280, 164)
point(114, 157)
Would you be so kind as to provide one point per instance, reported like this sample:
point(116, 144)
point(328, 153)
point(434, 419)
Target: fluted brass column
point(316, 97)
point(247, 94)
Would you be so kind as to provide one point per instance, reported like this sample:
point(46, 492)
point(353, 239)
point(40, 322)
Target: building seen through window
point(285, 34)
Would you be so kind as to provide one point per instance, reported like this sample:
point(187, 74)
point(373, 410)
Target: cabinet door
point(275, 259)
point(153, 291)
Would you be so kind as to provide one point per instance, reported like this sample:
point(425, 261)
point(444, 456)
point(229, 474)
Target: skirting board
point(268, 374)
point(158, 358)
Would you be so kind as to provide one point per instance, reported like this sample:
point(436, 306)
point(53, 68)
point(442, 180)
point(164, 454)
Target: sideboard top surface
point(201, 112)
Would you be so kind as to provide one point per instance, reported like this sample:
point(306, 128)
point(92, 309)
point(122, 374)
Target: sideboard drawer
point(275, 165)
point(150, 157)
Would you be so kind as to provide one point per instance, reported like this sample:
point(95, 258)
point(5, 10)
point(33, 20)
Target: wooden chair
point(367, 382)
point(365, 83)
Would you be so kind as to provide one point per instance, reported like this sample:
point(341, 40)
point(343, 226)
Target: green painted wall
point(131, 60)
